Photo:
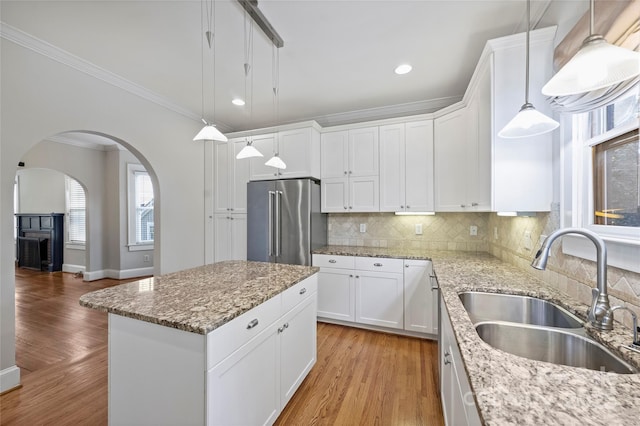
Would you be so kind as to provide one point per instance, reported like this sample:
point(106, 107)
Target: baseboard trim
point(9, 378)
point(425, 336)
point(73, 269)
point(118, 274)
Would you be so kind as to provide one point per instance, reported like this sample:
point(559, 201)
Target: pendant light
point(209, 132)
point(276, 161)
point(596, 65)
point(248, 151)
point(528, 121)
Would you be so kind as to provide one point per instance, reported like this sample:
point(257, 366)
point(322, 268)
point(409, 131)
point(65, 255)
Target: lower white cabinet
point(242, 373)
point(230, 231)
point(380, 292)
point(458, 405)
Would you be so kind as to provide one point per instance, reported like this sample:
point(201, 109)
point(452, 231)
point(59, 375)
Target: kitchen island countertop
point(511, 390)
point(200, 299)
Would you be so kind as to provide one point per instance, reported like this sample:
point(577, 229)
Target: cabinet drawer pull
point(474, 204)
point(303, 291)
point(332, 261)
point(252, 324)
point(377, 264)
point(446, 360)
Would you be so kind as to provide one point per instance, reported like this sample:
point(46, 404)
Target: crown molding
point(57, 54)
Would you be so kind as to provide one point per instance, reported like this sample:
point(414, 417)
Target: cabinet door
point(418, 162)
point(336, 294)
point(241, 390)
point(392, 168)
point(266, 144)
point(450, 166)
point(484, 157)
point(334, 154)
point(364, 194)
point(420, 301)
point(297, 347)
point(222, 236)
point(221, 174)
point(297, 149)
point(379, 299)
point(241, 173)
point(238, 239)
point(363, 152)
point(334, 195)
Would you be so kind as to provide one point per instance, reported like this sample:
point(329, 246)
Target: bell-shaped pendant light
point(276, 162)
point(596, 65)
point(528, 121)
point(210, 133)
point(248, 151)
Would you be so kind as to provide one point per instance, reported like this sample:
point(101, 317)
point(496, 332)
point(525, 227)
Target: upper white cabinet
point(475, 170)
point(406, 167)
point(298, 148)
point(230, 177)
point(349, 171)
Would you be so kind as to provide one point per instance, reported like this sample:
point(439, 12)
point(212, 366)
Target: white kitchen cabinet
point(380, 292)
point(230, 177)
point(420, 297)
point(475, 169)
point(350, 171)
point(406, 167)
point(298, 148)
point(230, 232)
point(458, 404)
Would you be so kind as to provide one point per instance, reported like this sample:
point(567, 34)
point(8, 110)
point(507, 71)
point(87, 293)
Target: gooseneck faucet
point(600, 299)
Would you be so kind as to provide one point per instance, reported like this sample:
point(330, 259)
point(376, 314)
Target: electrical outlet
point(528, 242)
point(495, 232)
point(146, 258)
point(473, 230)
point(418, 229)
point(363, 227)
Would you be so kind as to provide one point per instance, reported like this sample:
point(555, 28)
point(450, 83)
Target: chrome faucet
point(600, 299)
point(608, 319)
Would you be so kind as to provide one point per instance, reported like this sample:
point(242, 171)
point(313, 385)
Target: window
point(141, 224)
point(76, 212)
point(601, 180)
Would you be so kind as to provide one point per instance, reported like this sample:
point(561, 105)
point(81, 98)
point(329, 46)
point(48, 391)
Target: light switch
point(363, 227)
point(418, 229)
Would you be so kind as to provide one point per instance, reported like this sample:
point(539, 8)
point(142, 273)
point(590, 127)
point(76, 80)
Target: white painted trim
point(73, 269)
point(57, 54)
point(380, 329)
point(116, 274)
point(623, 255)
point(84, 144)
point(9, 378)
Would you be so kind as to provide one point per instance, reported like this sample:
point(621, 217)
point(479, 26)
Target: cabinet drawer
point(299, 292)
point(330, 261)
point(379, 264)
point(225, 340)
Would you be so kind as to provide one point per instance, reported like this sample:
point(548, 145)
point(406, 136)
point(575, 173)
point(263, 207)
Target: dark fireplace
point(40, 241)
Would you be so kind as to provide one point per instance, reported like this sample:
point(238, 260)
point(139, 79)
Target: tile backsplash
point(451, 231)
point(444, 231)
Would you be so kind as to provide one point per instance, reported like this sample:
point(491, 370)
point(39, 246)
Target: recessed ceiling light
point(403, 69)
point(237, 101)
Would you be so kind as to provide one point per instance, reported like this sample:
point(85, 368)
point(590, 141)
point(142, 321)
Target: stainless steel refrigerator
point(284, 222)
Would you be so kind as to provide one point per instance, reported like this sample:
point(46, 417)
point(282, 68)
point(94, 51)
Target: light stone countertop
point(414, 254)
point(201, 299)
point(511, 390)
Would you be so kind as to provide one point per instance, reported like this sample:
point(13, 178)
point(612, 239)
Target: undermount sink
point(539, 330)
point(552, 345)
point(519, 309)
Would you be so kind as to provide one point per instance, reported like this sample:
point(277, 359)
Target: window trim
point(73, 244)
point(132, 245)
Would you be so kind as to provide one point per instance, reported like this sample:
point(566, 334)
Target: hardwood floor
point(361, 377)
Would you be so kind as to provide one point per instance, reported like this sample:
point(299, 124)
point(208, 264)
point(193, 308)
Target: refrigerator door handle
point(277, 227)
point(270, 224)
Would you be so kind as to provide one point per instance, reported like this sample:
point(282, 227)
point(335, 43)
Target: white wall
point(41, 191)
point(42, 97)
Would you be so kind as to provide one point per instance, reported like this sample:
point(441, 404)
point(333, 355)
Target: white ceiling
point(336, 64)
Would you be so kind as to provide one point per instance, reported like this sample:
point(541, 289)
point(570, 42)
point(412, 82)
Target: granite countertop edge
point(200, 299)
point(509, 389)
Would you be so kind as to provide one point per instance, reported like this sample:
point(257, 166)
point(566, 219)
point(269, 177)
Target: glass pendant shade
point(596, 65)
point(528, 122)
point(276, 162)
point(248, 151)
point(210, 133)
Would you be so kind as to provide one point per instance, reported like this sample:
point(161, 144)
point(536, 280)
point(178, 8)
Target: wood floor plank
point(361, 377)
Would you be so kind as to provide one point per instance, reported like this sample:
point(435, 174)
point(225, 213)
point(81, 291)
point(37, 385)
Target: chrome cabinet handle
point(402, 207)
point(474, 204)
point(345, 207)
point(408, 207)
point(462, 205)
point(345, 172)
point(349, 171)
point(252, 324)
point(377, 264)
point(303, 291)
point(332, 261)
point(446, 360)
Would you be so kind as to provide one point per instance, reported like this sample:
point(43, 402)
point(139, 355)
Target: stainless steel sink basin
point(552, 345)
point(519, 309)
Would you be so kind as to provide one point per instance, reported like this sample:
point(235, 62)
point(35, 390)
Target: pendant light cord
point(526, 85)
point(202, 58)
point(591, 17)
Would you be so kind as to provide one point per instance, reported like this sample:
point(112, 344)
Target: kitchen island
point(227, 343)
